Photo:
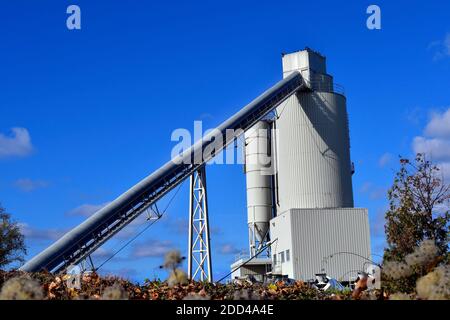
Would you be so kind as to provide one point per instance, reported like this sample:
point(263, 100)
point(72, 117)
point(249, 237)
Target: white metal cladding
point(281, 234)
point(324, 240)
point(257, 266)
point(308, 62)
point(259, 180)
point(313, 156)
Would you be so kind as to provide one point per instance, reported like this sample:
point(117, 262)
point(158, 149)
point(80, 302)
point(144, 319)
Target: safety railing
point(323, 83)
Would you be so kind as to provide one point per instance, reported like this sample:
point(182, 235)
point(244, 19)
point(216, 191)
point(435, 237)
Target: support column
point(199, 255)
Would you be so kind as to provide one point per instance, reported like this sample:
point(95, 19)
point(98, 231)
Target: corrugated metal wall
point(259, 181)
point(314, 173)
point(314, 168)
point(319, 233)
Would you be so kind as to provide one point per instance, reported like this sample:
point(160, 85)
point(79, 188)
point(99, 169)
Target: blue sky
point(85, 114)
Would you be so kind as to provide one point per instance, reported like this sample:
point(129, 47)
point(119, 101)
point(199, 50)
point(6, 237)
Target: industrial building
point(302, 201)
point(301, 219)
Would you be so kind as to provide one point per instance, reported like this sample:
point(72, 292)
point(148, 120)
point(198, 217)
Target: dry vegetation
point(18, 285)
point(15, 285)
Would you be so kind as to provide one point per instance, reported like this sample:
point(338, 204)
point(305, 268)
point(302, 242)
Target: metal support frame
point(199, 257)
point(87, 237)
point(86, 265)
point(256, 245)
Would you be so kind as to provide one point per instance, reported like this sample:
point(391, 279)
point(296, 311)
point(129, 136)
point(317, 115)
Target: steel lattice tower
point(199, 257)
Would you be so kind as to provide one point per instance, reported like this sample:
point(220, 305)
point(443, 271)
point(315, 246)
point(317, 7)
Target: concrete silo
point(259, 169)
point(259, 177)
point(313, 149)
point(315, 228)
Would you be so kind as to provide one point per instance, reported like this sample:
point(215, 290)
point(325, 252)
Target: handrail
point(324, 83)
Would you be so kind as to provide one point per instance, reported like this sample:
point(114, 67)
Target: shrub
point(21, 288)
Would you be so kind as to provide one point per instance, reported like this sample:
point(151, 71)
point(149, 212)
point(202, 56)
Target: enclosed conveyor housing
point(84, 239)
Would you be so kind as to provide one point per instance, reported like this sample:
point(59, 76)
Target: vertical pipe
point(206, 221)
point(276, 198)
point(191, 221)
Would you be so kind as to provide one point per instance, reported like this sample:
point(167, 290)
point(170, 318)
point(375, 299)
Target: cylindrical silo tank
point(259, 182)
point(312, 137)
point(313, 156)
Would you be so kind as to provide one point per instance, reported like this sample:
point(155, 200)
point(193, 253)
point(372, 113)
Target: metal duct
point(82, 240)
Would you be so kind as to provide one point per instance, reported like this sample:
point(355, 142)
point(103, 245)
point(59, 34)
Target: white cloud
point(102, 253)
point(28, 185)
point(16, 144)
point(32, 233)
point(152, 249)
point(385, 159)
point(86, 210)
point(445, 170)
point(228, 249)
point(441, 48)
point(435, 142)
point(435, 148)
point(439, 125)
